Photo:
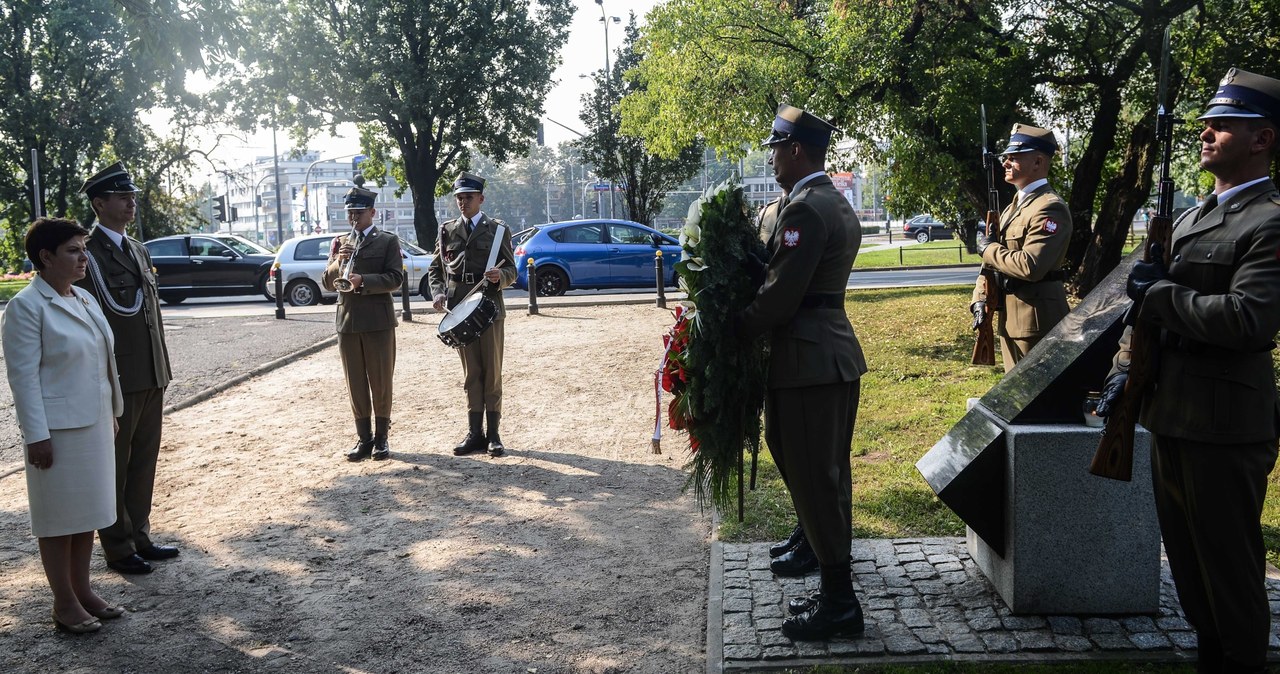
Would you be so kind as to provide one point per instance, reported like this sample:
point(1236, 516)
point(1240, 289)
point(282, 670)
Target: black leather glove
point(1112, 391)
point(979, 312)
point(754, 268)
point(1145, 274)
point(982, 240)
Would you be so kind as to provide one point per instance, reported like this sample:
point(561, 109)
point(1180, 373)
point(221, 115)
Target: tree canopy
point(624, 159)
point(905, 81)
point(428, 80)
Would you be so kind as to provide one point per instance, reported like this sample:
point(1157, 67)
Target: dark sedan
point(209, 265)
point(593, 254)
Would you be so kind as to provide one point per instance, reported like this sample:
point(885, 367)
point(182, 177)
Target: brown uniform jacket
point(114, 279)
point(1033, 242)
point(1220, 311)
point(812, 249)
point(381, 268)
point(465, 257)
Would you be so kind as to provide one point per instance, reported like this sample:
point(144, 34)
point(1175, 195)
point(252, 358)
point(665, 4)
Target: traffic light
point(541, 134)
point(235, 214)
point(302, 215)
point(220, 208)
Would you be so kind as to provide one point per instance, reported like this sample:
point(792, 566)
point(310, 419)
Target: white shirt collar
point(1227, 194)
point(115, 236)
point(366, 231)
point(475, 220)
point(1026, 191)
point(801, 182)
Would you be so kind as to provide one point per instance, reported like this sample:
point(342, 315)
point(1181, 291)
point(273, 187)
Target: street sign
point(600, 187)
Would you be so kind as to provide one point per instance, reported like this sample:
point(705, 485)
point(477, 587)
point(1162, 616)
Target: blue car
point(593, 254)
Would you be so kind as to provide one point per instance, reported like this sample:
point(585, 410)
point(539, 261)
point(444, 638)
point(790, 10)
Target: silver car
point(302, 260)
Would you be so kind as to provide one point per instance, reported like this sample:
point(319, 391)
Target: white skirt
point(78, 492)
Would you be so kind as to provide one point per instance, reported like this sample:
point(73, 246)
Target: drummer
point(464, 246)
point(366, 319)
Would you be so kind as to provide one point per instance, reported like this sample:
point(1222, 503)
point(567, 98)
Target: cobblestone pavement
point(924, 600)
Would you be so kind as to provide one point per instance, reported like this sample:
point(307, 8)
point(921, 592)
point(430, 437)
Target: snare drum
point(467, 321)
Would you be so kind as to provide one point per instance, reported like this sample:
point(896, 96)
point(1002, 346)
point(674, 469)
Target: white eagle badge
point(791, 237)
point(1050, 226)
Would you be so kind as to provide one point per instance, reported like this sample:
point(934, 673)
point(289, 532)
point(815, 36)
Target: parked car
point(302, 260)
point(925, 228)
point(208, 265)
point(593, 254)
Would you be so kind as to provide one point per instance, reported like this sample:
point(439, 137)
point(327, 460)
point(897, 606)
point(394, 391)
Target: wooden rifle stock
point(1114, 456)
point(984, 345)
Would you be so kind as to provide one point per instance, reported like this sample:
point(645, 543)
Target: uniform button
point(1208, 255)
point(1177, 258)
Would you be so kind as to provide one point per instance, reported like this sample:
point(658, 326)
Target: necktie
point(1209, 204)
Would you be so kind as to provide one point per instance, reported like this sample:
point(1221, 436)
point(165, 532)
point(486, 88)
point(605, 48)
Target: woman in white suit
point(58, 350)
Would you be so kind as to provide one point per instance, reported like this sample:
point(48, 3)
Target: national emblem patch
point(1050, 226)
point(791, 237)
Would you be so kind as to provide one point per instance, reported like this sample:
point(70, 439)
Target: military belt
point(822, 300)
point(468, 278)
point(1011, 284)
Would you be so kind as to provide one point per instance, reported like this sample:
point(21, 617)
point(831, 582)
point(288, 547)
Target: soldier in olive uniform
point(814, 368)
point(123, 281)
point(1213, 411)
point(464, 246)
point(366, 319)
point(1030, 249)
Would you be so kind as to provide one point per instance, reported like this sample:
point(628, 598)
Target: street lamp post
point(608, 74)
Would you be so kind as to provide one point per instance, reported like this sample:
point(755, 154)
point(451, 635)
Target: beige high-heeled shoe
point(90, 625)
point(107, 612)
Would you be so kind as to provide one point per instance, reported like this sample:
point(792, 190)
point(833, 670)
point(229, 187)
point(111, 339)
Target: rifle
point(984, 345)
point(1114, 456)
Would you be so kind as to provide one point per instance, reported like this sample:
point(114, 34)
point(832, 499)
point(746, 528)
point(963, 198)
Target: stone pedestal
point(1074, 542)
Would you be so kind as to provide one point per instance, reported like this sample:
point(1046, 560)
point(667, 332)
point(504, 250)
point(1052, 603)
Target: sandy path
point(577, 552)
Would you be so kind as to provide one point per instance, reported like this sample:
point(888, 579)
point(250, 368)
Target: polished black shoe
point(495, 442)
point(830, 618)
point(158, 552)
point(360, 451)
point(799, 562)
point(470, 444)
point(799, 605)
point(381, 450)
point(132, 564)
point(782, 548)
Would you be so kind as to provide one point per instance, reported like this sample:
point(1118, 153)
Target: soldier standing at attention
point(1213, 410)
point(1030, 249)
point(464, 246)
point(366, 319)
point(121, 278)
point(815, 365)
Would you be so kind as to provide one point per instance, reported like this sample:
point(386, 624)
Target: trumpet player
point(365, 267)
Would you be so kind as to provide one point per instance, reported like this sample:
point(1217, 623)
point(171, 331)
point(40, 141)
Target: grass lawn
point(10, 288)
point(917, 342)
point(917, 255)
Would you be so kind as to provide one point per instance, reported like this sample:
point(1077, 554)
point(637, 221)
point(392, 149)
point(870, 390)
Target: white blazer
point(53, 356)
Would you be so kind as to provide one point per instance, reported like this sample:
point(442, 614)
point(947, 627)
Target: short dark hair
point(48, 234)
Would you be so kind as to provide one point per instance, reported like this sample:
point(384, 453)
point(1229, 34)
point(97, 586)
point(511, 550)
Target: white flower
point(695, 211)
point(690, 235)
point(696, 264)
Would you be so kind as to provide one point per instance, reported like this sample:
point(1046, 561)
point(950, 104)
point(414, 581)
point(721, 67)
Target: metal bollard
point(405, 315)
point(533, 286)
point(662, 285)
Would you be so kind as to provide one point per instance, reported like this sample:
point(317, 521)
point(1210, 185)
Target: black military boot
point(783, 547)
point(363, 446)
point(800, 561)
point(381, 450)
point(474, 442)
point(495, 443)
point(836, 613)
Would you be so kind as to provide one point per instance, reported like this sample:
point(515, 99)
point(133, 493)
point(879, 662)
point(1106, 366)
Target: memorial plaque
point(966, 468)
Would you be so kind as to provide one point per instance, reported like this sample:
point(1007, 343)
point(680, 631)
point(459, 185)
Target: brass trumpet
point(343, 282)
